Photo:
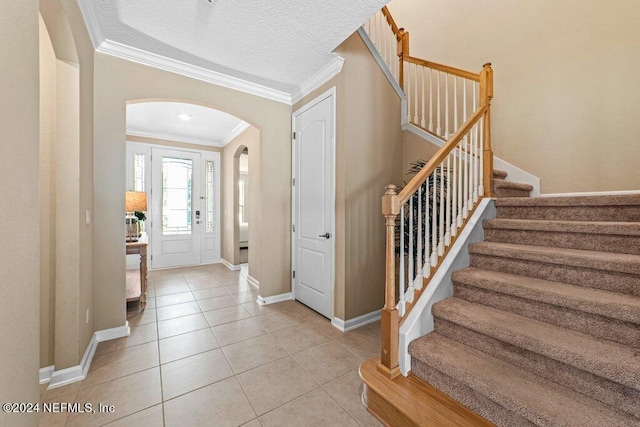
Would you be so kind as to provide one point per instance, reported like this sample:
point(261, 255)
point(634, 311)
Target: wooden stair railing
point(439, 97)
point(425, 217)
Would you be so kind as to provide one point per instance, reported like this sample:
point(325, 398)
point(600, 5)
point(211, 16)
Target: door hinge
point(294, 135)
point(293, 227)
point(151, 257)
point(293, 181)
point(294, 274)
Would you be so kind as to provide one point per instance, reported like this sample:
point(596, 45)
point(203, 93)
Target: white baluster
point(427, 264)
point(446, 106)
point(407, 68)
point(434, 226)
point(481, 184)
point(454, 186)
point(431, 100)
point(401, 283)
point(475, 164)
point(447, 233)
point(415, 89)
point(411, 263)
point(455, 103)
point(464, 96)
point(460, 180)
point(439, 128)
point(465, 206)
point(423, 122)
point(441, 214)
point(419, 249)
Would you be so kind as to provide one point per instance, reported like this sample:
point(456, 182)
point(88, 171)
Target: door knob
point(325, 235)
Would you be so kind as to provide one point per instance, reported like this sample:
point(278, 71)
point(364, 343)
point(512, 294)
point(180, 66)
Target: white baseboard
point(592, 193)
point(230, 266)
point(253, 281)
point(46, 373)
point(515, 174)
point(274, 299)
point(79, 372)
point(356, 322)
point(419, 321)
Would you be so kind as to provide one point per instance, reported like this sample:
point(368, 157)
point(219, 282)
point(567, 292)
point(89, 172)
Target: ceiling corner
point(319, 78)
point(90, 16)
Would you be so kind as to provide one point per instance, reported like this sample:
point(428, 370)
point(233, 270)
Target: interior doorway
point(243, 206)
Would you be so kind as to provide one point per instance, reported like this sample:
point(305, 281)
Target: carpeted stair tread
point(586, 227)
point(624, 263)
point(619, 200)
point(499, 174)
point(608, 304)
point(538, 400)
point(501, 183)
point(609, 360)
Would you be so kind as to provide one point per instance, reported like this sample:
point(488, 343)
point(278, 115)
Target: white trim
point(176, 138)
point(113, 333)
point(356, 322)
point(332, 93)
point(46, 373)
point(90, 14)
point(383, 66)
point(229, 265)
point(319, 78)
point(79, 372)
point(235, 133)
point(274, 299)
point(429, 137)
point(420, 321)
point(119, 50)
point(516, 174)
point(253, 281)
point(592, 193)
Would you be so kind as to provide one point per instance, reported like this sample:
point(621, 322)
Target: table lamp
point(135, 201)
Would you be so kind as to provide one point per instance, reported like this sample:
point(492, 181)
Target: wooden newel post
point(403, 50)
point(390, 322)
point(486, 94)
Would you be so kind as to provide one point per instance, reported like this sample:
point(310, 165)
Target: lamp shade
point(135, 201)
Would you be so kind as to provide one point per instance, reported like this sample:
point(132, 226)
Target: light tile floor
point(204, 353)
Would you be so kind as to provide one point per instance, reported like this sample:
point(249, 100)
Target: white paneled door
point(177, 213)
point(314, 201)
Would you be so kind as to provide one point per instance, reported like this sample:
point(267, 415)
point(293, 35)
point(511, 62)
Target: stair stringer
point(419, 322)
point(515, 174)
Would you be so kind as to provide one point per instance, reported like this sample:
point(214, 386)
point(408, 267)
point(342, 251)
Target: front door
point(177, 216)
point(313, 211)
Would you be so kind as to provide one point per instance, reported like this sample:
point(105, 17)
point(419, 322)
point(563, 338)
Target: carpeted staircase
point(544, 326)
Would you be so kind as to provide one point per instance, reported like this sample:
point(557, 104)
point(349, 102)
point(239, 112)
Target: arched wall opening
point(63, 314)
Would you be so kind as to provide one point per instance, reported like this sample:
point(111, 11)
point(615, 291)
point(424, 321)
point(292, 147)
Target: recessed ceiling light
point(184, 116)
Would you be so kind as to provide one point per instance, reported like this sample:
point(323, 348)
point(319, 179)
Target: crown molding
point(176, 138)
point(110, 47)
point(322, 76)
point(90, 15)
point(235, 133)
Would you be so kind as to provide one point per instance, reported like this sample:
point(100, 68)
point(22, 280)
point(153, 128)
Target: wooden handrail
point(444, 68)
point(390, 20)
point(442, 154)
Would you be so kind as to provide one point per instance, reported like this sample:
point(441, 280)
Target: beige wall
point(368, 157)
point(566, 87)
point(414, 148)
point(122, 81)
point(66, 178)
point(174, 144)
point(250, 138)
point(19, 208)
point(47, 197)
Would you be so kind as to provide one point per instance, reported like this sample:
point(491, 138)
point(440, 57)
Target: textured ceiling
point(275, 43)
point(161, 120)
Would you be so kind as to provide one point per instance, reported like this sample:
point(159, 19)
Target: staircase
point(544, 326)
